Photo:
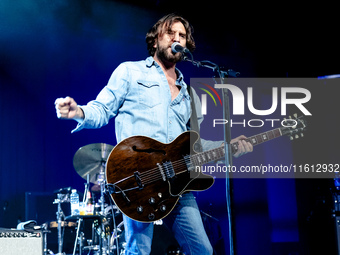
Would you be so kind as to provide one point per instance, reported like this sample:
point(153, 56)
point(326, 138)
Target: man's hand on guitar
point(243, 146)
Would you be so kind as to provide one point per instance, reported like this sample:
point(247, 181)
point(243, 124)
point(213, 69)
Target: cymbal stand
point(61, 198)
point(103, 238)
point(77, 239)
point(101, 182)
point(80, 220)
point(45, 231)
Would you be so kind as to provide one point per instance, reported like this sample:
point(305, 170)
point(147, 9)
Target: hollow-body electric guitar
point(146, 177)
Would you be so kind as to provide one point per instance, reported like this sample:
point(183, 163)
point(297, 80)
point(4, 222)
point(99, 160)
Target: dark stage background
point(57, 48)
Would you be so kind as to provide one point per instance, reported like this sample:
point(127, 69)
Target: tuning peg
point(295, 115)
point(301, 134)
point(290, 117)
point(296, 136)
point(291, 138)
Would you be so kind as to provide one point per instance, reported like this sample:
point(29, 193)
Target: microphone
point(177, 47)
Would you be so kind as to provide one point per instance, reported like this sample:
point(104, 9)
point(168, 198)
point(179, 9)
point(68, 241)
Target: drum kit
point(106, 232)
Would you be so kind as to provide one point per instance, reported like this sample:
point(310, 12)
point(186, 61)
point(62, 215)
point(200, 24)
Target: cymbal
point(91, 159)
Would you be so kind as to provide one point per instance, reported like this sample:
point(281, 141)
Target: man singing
point(150, 98)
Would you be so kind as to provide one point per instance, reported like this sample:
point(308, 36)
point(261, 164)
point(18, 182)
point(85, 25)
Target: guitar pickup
point(187, 160)
point(167, 170)
point(138, 180)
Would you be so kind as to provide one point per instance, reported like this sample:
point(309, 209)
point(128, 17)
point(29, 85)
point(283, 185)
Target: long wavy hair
point(164, 25)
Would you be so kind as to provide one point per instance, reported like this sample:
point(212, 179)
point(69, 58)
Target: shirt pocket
point(148, 93)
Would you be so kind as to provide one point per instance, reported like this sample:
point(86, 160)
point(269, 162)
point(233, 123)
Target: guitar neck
point(260, 138)
point(219, 153)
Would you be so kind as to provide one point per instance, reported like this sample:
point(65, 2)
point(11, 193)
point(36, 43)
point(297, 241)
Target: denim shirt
point(138, 95)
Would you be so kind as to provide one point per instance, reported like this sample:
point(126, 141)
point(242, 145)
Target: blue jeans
point(185, 222)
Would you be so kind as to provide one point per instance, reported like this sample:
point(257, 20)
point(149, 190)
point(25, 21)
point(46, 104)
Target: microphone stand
point(227, 134)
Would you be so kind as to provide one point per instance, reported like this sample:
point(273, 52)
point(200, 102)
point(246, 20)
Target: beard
point(165, 55)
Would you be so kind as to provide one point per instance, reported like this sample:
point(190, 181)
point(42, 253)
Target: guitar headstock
point(294, 126)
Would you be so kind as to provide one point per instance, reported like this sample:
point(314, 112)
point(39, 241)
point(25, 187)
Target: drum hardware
point(62, 197)
point(78, 239)
point(45, 231)
point(64, 224)
point(101, 182)
point(117, 240)
point(81, 240)
point(100, 234)
point(91, 247)
point(90, 163)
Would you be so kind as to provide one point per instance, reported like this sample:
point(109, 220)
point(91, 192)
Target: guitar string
point(174, 164)
point(156, 176)
point(152, 175)
point(153, 171)
point(151, 180)
point(218, 150)
point(191, 159)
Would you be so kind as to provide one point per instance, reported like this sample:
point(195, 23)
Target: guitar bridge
point(138, 180)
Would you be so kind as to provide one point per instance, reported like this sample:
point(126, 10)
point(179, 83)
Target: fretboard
point(218, 153)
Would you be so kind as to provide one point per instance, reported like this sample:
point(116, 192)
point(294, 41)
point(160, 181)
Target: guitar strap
point(193, 122)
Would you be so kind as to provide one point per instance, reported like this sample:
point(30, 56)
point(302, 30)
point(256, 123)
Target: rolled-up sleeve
point(98, 112)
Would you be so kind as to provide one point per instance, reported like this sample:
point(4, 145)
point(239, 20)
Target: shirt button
point(170, 122)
